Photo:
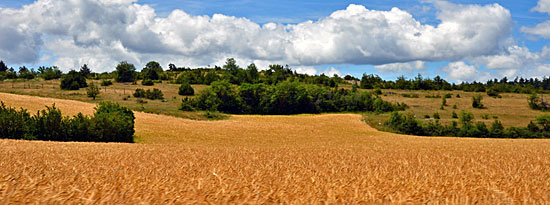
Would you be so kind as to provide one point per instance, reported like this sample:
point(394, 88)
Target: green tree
point(73, 81)
point(476, 101)
point(125, 72)
point(3, 67)
point(152, 71)
point(92, 90)
point(85, 71)
point(186, 89)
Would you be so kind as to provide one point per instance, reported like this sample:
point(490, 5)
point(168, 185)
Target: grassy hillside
point(270, 159)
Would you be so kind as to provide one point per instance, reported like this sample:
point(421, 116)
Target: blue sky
point(287, 12)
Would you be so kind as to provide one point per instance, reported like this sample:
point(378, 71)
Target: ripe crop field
point(269, 159)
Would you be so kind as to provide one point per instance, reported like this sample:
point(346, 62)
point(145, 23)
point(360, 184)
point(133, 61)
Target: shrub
point(454, 115)
point(457, 95)
point(436, 116)
point(493, 92)
point(92, 91)
point(186, 89)
point(139, 93)
point(147, 82)
point(154, 94)
point(110, 123)
point(448, 95)
point(413, 95)
point(73, 81)
point(187, 105)
point(377, 91)
point(476, 101)
point(106, 82)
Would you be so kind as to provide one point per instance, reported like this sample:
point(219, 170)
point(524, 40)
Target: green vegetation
point(476, 102)
point(186, 89)
point(154, 94)
point(287, 97)
point(110, 123)
point(73, 81)
point(125, 72)
point(408, 124)
point(537, 103)
point(92, 91)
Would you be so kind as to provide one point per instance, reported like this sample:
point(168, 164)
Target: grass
point(114, 93)
point(301, 159)
point(512, 109)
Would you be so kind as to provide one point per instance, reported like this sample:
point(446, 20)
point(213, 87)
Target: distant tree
point(231, 64)
point(211, 76)
point(85, 70)
point(476, 101)
point(252, 73)
point(73, 81)
point(152, 70)
point(125, 72)
point(3, 67)
point(172, 67)
point(92, 90)
point(186, 89)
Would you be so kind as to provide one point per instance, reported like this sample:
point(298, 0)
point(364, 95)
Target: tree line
point(465, 127)
point(110, 123)
point(286, 97)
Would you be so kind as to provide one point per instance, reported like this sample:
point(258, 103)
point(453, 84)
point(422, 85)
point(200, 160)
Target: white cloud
point(514, 57)
point(101, 33)
point(402, 67)
point(461, 72)
point(542, 29)
point(331, 72)
point(543, 6)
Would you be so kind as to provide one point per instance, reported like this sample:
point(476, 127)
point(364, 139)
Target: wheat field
point(333, 158)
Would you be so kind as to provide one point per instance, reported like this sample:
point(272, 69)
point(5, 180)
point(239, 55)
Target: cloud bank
point(101, 33)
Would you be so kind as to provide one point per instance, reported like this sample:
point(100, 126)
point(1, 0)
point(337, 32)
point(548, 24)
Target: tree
point(252, 73)
point(85, 71)
point(186, 89)
point(125, 72)
point(231, 64)
point(476, 101)
point(73, 81)
point(93, 90)
point(3, 67)
point(172, 67)
point(151, 70)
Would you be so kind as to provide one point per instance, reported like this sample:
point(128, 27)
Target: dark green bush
point(73, 81)
point(476, 101)
point(139, 93)
point(110, 123)
point(147, 82)
point(186, 89)
point(106, 82)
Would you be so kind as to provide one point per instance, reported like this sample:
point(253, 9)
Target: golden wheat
point(270, 159)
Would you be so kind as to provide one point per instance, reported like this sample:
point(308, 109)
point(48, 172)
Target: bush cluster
point(110, 123)
point(408, 124)
point(287, 97)
point(538, 103)
point(147, 82)
point(149, 94)
point(106, 82)
point(73, 81)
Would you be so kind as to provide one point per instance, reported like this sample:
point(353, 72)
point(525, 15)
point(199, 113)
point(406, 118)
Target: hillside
point(263, 159)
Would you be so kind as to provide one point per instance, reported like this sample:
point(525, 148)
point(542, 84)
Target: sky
point(460, 40)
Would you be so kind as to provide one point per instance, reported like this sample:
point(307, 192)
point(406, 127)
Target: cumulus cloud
point(542, 29)
point(402, 67)
point(462, 72)
point(543, 6)
point(102, 32)
point(331, 72)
